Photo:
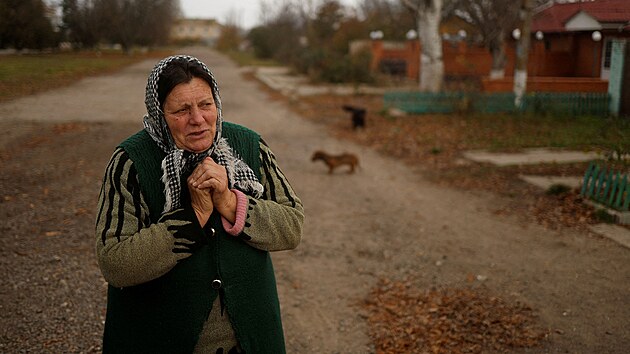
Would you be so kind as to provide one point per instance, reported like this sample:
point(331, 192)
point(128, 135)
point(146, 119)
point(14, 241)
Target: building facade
point(191, 30)
point(570, 50)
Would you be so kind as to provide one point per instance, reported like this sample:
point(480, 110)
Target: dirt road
point(382, 222)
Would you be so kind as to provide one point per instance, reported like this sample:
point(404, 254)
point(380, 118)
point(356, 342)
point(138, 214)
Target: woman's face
point(191, 115)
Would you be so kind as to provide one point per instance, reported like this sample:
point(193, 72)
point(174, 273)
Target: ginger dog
point(334, 161)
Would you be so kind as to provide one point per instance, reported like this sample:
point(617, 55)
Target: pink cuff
point(241, 214)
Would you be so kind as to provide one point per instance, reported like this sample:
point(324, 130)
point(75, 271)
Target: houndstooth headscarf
point(177, 161)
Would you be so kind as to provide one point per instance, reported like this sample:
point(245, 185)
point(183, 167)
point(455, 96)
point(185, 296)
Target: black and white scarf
point(177, 161)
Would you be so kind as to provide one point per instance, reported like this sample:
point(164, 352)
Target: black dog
point(358, 116)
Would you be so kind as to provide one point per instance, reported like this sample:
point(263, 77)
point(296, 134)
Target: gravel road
point(384, 221)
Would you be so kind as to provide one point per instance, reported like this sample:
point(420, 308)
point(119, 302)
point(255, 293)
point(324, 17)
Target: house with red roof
point(574, 39)
point(571, 45)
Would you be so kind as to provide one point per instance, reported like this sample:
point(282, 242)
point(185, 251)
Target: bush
point(604, 216)
point(323, 65)
point(229, 39)
point(261, 42)
point(558, 189)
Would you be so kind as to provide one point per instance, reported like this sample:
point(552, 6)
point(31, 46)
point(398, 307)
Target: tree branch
point(411, 6)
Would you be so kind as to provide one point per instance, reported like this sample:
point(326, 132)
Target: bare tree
point(326, 22)
point(279, 18)
point(391, 17)
point(231, 36)
point(429, 14)
point(125, 22)
point(494, 19)
point(162, 16)
point(522, 53)
point(23, 24)
point(137, 22)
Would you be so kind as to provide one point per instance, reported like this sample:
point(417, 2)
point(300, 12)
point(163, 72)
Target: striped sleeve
point(130, 248)
point(274, 222)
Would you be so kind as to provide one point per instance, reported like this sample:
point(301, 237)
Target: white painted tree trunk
point(431, 63)
point(496, 74)
point(522, 52)
point(520, 85)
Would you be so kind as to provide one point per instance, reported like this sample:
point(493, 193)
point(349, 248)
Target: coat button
point(216, 284)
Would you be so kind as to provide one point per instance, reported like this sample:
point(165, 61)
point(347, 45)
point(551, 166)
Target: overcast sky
point(247, 11)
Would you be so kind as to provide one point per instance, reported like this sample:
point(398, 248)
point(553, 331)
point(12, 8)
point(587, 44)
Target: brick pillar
point(377, 54)
point(413, 59)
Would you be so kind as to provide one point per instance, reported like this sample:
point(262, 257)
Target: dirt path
point(382, 222)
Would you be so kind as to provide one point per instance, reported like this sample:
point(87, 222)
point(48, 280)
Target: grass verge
point(26, 74)
point(246, 58)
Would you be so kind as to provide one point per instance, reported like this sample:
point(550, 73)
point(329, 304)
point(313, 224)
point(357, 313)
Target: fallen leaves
point(435, 143)
point(566, 209)
point(404, 319)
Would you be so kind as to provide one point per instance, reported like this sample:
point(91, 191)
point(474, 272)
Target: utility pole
point(522, 52)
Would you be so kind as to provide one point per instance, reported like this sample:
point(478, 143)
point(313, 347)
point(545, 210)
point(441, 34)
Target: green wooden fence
point(606, 186)
point(574, 103)
point(542, 102)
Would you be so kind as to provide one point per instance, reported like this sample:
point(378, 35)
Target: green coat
point(167, 314)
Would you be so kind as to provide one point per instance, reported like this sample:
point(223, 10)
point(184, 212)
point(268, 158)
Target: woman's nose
point(196, 115)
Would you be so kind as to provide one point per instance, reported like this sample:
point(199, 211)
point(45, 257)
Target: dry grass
point(26, 74)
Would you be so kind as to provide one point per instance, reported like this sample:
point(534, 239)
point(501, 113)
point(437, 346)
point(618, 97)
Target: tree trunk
point(497, 49)
point(522, 52)
point(431, 63)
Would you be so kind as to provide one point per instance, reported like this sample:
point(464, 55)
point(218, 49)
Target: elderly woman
point(189, 210)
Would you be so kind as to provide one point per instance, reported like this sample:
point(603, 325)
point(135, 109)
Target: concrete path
point(619, 234)
point(616, 233)
point(545, 182)
point(530, 156)
point(282, 80)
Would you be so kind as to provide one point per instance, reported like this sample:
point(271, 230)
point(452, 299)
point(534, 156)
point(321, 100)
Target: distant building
point(462, 55)
point(194, 30)
point(577, 37)
point(570, 49)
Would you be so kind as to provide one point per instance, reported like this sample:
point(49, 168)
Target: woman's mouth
point(197, 134)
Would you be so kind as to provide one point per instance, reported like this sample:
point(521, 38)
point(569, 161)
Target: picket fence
point(596, 104)
point(606, 186)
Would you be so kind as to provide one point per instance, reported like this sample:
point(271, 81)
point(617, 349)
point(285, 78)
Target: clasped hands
point(209, 189)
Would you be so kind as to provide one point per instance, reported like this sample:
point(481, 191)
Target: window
point(607, 54)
